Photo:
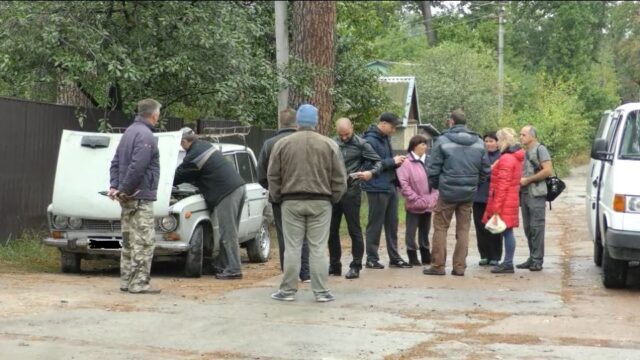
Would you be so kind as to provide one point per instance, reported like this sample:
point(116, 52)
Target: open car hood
point(82, 172)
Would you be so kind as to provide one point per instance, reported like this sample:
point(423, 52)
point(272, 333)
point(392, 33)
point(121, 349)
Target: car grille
point(104, 225)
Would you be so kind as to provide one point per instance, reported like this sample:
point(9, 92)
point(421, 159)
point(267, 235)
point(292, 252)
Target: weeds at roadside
point(27, 253)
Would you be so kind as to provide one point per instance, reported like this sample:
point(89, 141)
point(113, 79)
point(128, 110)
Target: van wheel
point(614, 272)
point(70, 262)
point(597, 252)
point(193, 265)
point(259, 248)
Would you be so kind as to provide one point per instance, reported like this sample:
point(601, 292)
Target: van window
point(246, 168)
point(630, 146)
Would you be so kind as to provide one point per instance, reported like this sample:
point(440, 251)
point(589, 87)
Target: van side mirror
point(599, 150)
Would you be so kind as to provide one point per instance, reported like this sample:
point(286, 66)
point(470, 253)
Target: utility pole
point(282, 51)
point(500, 60)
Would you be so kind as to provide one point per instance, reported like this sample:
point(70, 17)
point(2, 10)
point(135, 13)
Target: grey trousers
point(421, 223)
point(229, 212)
point(310, 218)
point(533, 221)
point(304, 269)
point(383, 211)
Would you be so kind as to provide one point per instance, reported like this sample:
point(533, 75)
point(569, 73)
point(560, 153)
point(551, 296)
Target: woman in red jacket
point(504, 193)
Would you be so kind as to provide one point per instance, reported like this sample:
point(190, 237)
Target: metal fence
point(29, 153)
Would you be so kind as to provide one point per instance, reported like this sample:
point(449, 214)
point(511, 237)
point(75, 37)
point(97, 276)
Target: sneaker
point(353, 273)
point(374, 264)
point(305, 280)
point(502, 269)
point(456, 273)
point(279, 295)
point(494, 262)
point(149, 290)
point(399, 263)
point(484, 262)
point(325, 297)
point(431, 271)
point(524, 265)
point(535, 267)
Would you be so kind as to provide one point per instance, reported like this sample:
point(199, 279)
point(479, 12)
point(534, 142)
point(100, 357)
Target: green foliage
point(27, 253)
point(452, 75)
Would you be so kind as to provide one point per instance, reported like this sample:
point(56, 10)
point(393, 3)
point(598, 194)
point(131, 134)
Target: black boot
point(413, 257)
point(425, 255)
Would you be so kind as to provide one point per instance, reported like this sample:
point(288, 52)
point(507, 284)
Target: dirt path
point(562, 312)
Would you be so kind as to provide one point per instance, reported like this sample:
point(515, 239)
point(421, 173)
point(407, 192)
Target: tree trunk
point(314, 30)
point(428, 27)
point(71, 94)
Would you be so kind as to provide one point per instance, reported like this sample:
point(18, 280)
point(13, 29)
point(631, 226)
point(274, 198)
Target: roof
point(401, 90)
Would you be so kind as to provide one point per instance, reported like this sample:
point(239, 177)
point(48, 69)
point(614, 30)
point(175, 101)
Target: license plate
point(104, 244)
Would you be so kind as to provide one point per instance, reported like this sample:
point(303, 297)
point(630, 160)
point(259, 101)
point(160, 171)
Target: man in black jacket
point(288, 126)
point(357, 155)
point(223, 191)
point(459, 162)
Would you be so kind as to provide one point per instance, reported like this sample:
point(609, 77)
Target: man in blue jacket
point(135, 171)
point(459, 162)
point(382, 195)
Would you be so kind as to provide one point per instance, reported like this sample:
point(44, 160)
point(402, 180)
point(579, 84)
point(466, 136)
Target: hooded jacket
point(412, 175)
point(459, 162)
point(385, 181)
point(504, 191)
point(135, 168)
point(217, 178)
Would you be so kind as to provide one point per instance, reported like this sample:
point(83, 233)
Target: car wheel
point(193, 265)
point(614, 272)
point(259, 248)
point(70, 262)
point(597, 252)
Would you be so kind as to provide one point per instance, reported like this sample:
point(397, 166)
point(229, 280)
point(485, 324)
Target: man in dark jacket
point(223, 191)
point(135, 171)
point(357, 155)
point(307, 175)
point(288, 127)
point(382, 195)
point(459, 162)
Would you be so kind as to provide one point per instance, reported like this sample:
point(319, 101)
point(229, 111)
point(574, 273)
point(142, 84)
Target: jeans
point(509, 247)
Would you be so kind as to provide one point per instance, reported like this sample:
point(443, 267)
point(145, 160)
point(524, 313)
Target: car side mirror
point(599, 149)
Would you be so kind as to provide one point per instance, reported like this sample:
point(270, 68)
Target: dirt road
point(562, 312)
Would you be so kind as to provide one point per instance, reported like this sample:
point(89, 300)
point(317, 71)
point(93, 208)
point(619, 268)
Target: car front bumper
point(623, 245)
point(83, 245)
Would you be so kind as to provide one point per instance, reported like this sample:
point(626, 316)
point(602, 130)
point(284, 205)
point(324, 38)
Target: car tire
point(70, 262)
point(614, 272)
point(597, 252)
point(259, 248)
point(193, 264)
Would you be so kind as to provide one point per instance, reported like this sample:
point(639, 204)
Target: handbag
point(495, 225)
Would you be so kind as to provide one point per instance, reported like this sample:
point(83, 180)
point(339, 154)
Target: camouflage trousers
point(138, 242)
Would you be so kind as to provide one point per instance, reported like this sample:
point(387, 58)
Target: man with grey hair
point(288, 125)
point(135, 170)
point(533, 195)
point(223, 191)
point(306, 175)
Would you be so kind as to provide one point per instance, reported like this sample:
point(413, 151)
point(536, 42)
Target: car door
point(256, 195)
point(593, 180)
point(606, 194)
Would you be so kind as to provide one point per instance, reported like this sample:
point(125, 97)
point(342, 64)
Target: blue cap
point(307, 116)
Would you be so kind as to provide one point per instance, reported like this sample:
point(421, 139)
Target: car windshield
point(630, 146)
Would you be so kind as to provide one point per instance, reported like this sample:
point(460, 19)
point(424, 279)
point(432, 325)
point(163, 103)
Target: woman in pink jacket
point(420, 199)
point(504, 193)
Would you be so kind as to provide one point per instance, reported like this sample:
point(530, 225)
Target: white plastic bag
point(495, 225)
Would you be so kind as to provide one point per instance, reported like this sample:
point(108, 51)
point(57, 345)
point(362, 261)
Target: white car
point(613, 194)
point(85, 224)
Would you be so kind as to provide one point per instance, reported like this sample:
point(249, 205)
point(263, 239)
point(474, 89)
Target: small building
point(403, 92)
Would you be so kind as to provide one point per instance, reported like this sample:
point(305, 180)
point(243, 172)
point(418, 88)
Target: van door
point(593, 180)
point(605, 199)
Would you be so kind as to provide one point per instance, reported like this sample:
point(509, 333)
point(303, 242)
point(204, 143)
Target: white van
point(613, 194)
point(85, 224)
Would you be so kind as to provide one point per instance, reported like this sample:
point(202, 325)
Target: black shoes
point(413, 258)
point(399, 263)
point(431, 271)
point(353, 273)
point(455, 273)
point(525, 265)
point(374, 264)
point(535, 267)
point(502, 269)
point(425, 255)
point(223, 276)
point(335, 270)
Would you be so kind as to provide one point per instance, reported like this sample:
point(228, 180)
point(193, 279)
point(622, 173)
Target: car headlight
point(633, 204)
point(169, 223)
point(60, 222)
point(75, 223)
